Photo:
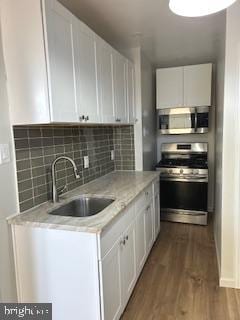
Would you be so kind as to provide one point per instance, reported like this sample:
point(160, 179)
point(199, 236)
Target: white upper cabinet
point(188, 86)
point(169, 88)
point(198, 85)
point(105, 71)
point(131, 92)
point(120, 88)
point(87, 90)
point(59, 34)
point(24, 55)
point(65, 73)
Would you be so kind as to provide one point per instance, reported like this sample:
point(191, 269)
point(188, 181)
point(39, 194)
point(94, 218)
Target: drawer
point(156, 186)
point(144, 199)
point(114, 231)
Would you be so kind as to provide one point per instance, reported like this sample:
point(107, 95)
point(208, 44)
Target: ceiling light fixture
point(198, 8)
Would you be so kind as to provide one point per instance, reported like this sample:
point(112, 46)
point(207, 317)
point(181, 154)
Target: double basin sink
point(82, 207)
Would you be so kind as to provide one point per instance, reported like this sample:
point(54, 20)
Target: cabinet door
point(131, 92)
point(140, 241)
point(86, 73)
point(119, 82)
point(156, 215)
point(197, 85)
point(60, 57)
point(169, 88)
point(128, 263)
point(105, 68)
point(110, 268)
point(149, 227)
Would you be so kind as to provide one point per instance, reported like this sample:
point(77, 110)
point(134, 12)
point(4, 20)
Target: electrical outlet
point(86, 162)
point(112, 155)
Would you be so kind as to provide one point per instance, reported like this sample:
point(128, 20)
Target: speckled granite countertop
point(123, 186)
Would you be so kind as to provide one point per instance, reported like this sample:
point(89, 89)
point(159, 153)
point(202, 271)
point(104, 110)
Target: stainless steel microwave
point(183, 120)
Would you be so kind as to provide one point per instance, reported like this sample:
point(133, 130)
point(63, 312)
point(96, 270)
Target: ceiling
point(166, 39)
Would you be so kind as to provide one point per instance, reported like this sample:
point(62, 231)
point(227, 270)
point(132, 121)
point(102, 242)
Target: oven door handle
point(185, 179)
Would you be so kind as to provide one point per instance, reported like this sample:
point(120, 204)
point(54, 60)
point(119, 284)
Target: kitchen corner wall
point(8, 196)
point(37, 146)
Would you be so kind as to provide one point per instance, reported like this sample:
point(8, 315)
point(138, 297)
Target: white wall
point(8, 196)
point(230, 246)
point(220, 73)
point(135, 55)
point(145, 127)
point(148, 114)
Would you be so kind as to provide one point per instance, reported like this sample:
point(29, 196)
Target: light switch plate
point(4, 153)
point(86, 162)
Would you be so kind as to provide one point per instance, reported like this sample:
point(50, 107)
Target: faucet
point(55, 192)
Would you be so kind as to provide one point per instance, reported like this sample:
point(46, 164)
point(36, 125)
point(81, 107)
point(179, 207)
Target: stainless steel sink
point(82, 207)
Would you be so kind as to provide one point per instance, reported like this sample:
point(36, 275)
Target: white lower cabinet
point(96, 273)
point(110, 269)
point(136, 232)
point(156, 215)
point(128, 263)
point(118, 274)
point(140, 241)
point(148, 223)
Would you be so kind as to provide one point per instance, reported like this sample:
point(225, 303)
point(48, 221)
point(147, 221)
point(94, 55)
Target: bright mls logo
point(26, 311)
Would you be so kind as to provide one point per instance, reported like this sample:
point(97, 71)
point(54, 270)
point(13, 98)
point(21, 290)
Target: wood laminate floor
point(180, 279)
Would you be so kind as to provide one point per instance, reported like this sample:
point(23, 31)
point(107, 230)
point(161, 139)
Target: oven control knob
point(181, 171)
point(170, 171)
point(196, 171)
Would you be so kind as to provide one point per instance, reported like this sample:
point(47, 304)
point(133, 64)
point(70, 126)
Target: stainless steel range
point(184, 182)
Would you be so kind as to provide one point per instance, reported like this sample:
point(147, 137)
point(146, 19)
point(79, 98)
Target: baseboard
point(223, 282)
point(228, 283)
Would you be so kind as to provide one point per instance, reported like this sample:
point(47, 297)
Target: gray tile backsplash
point(37, 147)
point(124, 148)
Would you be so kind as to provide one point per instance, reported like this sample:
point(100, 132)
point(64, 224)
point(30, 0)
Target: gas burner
point(184, 159)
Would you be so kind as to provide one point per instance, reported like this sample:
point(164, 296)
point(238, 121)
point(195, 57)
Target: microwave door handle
point(195, 119)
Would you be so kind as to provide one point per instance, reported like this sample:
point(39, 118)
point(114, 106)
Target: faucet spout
point(55, 194)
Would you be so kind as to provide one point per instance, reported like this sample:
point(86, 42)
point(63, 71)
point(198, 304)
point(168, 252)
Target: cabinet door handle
point(81, 118)
point(86, 118)
point(123, 242)
point(118, 120)
point(148, 208)
point(126, 238)
point(146, 193)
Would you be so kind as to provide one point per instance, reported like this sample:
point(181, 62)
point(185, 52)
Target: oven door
point(183, 194)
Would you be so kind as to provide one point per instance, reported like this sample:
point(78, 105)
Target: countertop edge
point(15, 219)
